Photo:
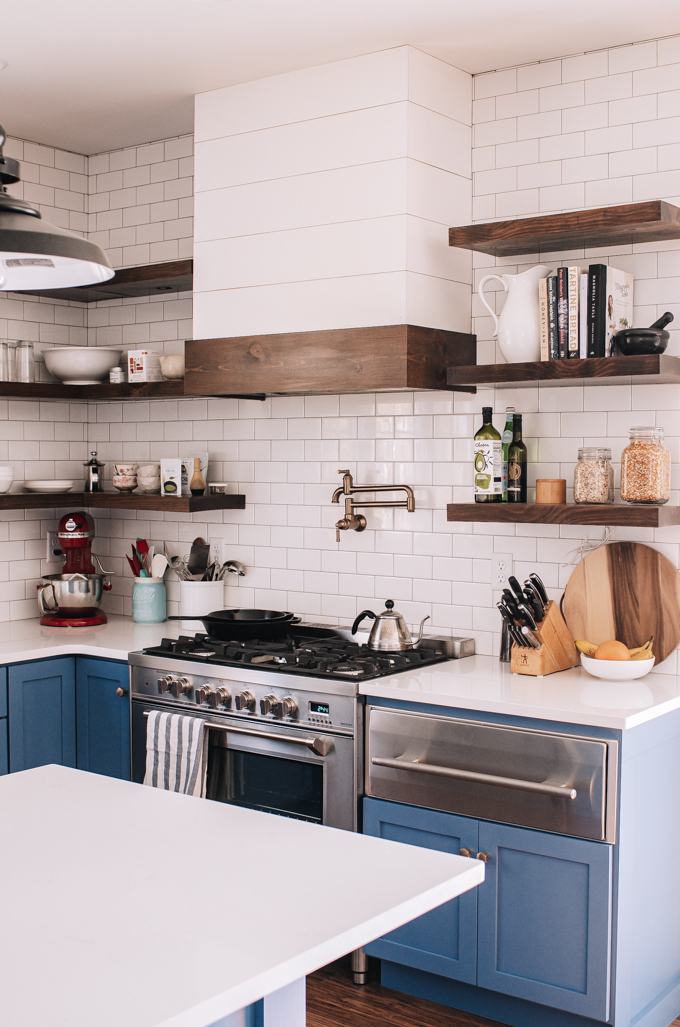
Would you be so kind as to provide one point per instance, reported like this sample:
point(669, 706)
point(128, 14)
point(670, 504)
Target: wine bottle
point(488, 462)
point(506, 439)
point(517, 464)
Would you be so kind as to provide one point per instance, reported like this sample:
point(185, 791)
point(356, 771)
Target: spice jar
point(646, 468)
point(594, 476)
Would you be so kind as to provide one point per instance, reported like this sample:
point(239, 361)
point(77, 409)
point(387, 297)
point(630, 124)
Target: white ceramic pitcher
point(518, 328)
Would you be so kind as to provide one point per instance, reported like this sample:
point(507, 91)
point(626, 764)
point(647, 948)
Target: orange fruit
point(612, 650)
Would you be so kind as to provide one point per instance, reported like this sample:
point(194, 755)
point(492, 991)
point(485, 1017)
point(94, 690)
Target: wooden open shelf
point(74, 393)
point(148, 280)
point(657, 369)
point(652, 221)
point(120, 501)
point(606, 514)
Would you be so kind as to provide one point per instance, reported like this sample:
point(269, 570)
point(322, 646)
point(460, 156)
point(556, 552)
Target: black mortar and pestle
point(634, 342)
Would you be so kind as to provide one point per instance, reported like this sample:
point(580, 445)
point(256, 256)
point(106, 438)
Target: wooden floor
point(333, 1001)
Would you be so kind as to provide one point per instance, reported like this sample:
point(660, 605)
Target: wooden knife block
point(557, 651)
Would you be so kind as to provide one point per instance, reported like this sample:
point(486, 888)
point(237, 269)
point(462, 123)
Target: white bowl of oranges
point(614, 661)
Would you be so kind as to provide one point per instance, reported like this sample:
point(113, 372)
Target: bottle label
point(514, 476)
point(488, 467)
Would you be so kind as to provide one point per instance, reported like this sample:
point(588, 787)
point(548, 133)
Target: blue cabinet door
point(42, 713)
point(4, 749)
point(444, 940)
point(545, 919)
point(103, 717)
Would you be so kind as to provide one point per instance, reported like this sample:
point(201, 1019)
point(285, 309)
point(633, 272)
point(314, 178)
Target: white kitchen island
point(128, 906)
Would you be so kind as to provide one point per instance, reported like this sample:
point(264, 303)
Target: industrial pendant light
point(34, 255)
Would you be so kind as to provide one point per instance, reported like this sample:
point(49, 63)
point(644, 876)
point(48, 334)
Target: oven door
point(271, 767)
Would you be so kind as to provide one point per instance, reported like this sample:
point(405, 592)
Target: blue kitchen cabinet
point(443, 941)
point(545, 919)
point(103, 717)
point(4, 748)
point(538, 928)
point(42, 713)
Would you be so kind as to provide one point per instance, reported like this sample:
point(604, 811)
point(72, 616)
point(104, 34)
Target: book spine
point(597, 300)
point(562, 312)
point(543, 318)
point(573, 296)
point(553, 342)
point(583, 318)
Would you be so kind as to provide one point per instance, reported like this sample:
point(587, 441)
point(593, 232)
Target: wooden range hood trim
point(386, 358)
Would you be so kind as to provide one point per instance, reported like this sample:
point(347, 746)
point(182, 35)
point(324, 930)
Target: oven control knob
point(179, 686)
point(203, 693)
point(164, 684)
point(244, 701)
point(220, 696)
point(285, 707)
point(267, 704)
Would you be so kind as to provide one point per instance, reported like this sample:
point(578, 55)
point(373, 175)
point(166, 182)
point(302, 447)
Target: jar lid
point(646, 432)
point(594, 453)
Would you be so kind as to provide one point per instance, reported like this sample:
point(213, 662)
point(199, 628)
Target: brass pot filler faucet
point(358, 521)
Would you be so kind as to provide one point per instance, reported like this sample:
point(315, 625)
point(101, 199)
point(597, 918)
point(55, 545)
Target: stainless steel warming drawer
point(539, 779)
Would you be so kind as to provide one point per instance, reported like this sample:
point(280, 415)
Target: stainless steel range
point(286, 728)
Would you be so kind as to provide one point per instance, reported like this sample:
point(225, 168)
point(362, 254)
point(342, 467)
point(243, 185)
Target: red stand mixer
point(70, 599)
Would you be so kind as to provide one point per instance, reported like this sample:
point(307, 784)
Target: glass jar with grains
point(646, 468)
point(594, 476)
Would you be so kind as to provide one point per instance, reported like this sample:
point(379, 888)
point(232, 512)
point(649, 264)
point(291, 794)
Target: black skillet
point(239, 625)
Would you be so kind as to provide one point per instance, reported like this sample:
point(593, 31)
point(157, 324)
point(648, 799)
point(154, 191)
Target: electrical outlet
point(501, 569)
point(54, 551)
point(218, 548)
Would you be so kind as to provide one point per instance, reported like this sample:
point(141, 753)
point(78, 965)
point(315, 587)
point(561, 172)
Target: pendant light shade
point(35, 255)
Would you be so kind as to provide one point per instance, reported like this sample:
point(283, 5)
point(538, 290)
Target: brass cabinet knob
point(465, 852)
point(484, 856)
point(121, 692)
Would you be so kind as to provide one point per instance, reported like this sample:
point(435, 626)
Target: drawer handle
point(465, 852)
point(470, 775)
point(121, 692)
point(484, 856)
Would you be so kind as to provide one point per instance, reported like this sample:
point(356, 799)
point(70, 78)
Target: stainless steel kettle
point(389, 632)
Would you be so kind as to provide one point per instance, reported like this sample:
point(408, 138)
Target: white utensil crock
point(518, 327)
point(199, 597)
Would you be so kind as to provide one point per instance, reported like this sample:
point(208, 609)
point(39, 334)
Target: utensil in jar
point(198, 559)
point(159, 565)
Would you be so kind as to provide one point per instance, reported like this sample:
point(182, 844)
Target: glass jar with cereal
point(594, 476)
point(646, 468)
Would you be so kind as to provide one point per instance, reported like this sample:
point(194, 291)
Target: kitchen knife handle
point(516, 587)
point(540, 587)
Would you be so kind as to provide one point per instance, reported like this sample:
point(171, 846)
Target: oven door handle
point(321, 746)
point(564, 791)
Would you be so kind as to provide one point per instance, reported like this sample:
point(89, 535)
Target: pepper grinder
point(93, 481)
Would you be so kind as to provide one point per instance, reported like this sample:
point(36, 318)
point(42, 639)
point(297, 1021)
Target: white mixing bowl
point(81, 365)
point(617, 670)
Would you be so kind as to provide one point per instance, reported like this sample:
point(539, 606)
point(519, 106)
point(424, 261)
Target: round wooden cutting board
point(627, 591)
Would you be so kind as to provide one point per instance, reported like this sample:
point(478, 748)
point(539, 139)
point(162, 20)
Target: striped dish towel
point(175, 753)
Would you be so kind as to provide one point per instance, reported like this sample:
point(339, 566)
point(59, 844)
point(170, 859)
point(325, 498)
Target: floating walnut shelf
point(648, 369)
point(148, 280)
point(652, 221)
point(606, 514)
point(120, 501)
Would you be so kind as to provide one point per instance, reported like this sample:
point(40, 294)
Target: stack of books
point(581, 309)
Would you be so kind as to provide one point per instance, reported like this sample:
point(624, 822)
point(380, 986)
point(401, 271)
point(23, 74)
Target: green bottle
point(506, 439)
point(488, 462)
point(517, 464)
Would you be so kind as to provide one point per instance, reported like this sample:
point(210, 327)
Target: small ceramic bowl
point(172, 366)
point(617, 670)
point(129, 469)
point(125, 482)
point(149, 485)
point(149, 471)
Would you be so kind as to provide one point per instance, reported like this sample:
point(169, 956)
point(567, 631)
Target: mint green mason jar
point(149, 601)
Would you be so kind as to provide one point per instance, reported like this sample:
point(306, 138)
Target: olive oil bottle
point(517, 464)
point(488, 462)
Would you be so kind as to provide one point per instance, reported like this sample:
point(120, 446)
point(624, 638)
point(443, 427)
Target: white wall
point(322, 198)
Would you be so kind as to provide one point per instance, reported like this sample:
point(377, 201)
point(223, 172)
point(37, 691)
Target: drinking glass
point(4, 361)
point(25, 362)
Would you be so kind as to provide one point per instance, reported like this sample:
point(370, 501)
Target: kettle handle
point(487, 278)
point(357, 622)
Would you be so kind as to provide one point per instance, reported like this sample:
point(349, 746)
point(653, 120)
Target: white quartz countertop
point(128, 905)
point(484, 684)
point(479, 683)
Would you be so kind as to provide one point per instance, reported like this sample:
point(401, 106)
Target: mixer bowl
point(70, 595)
